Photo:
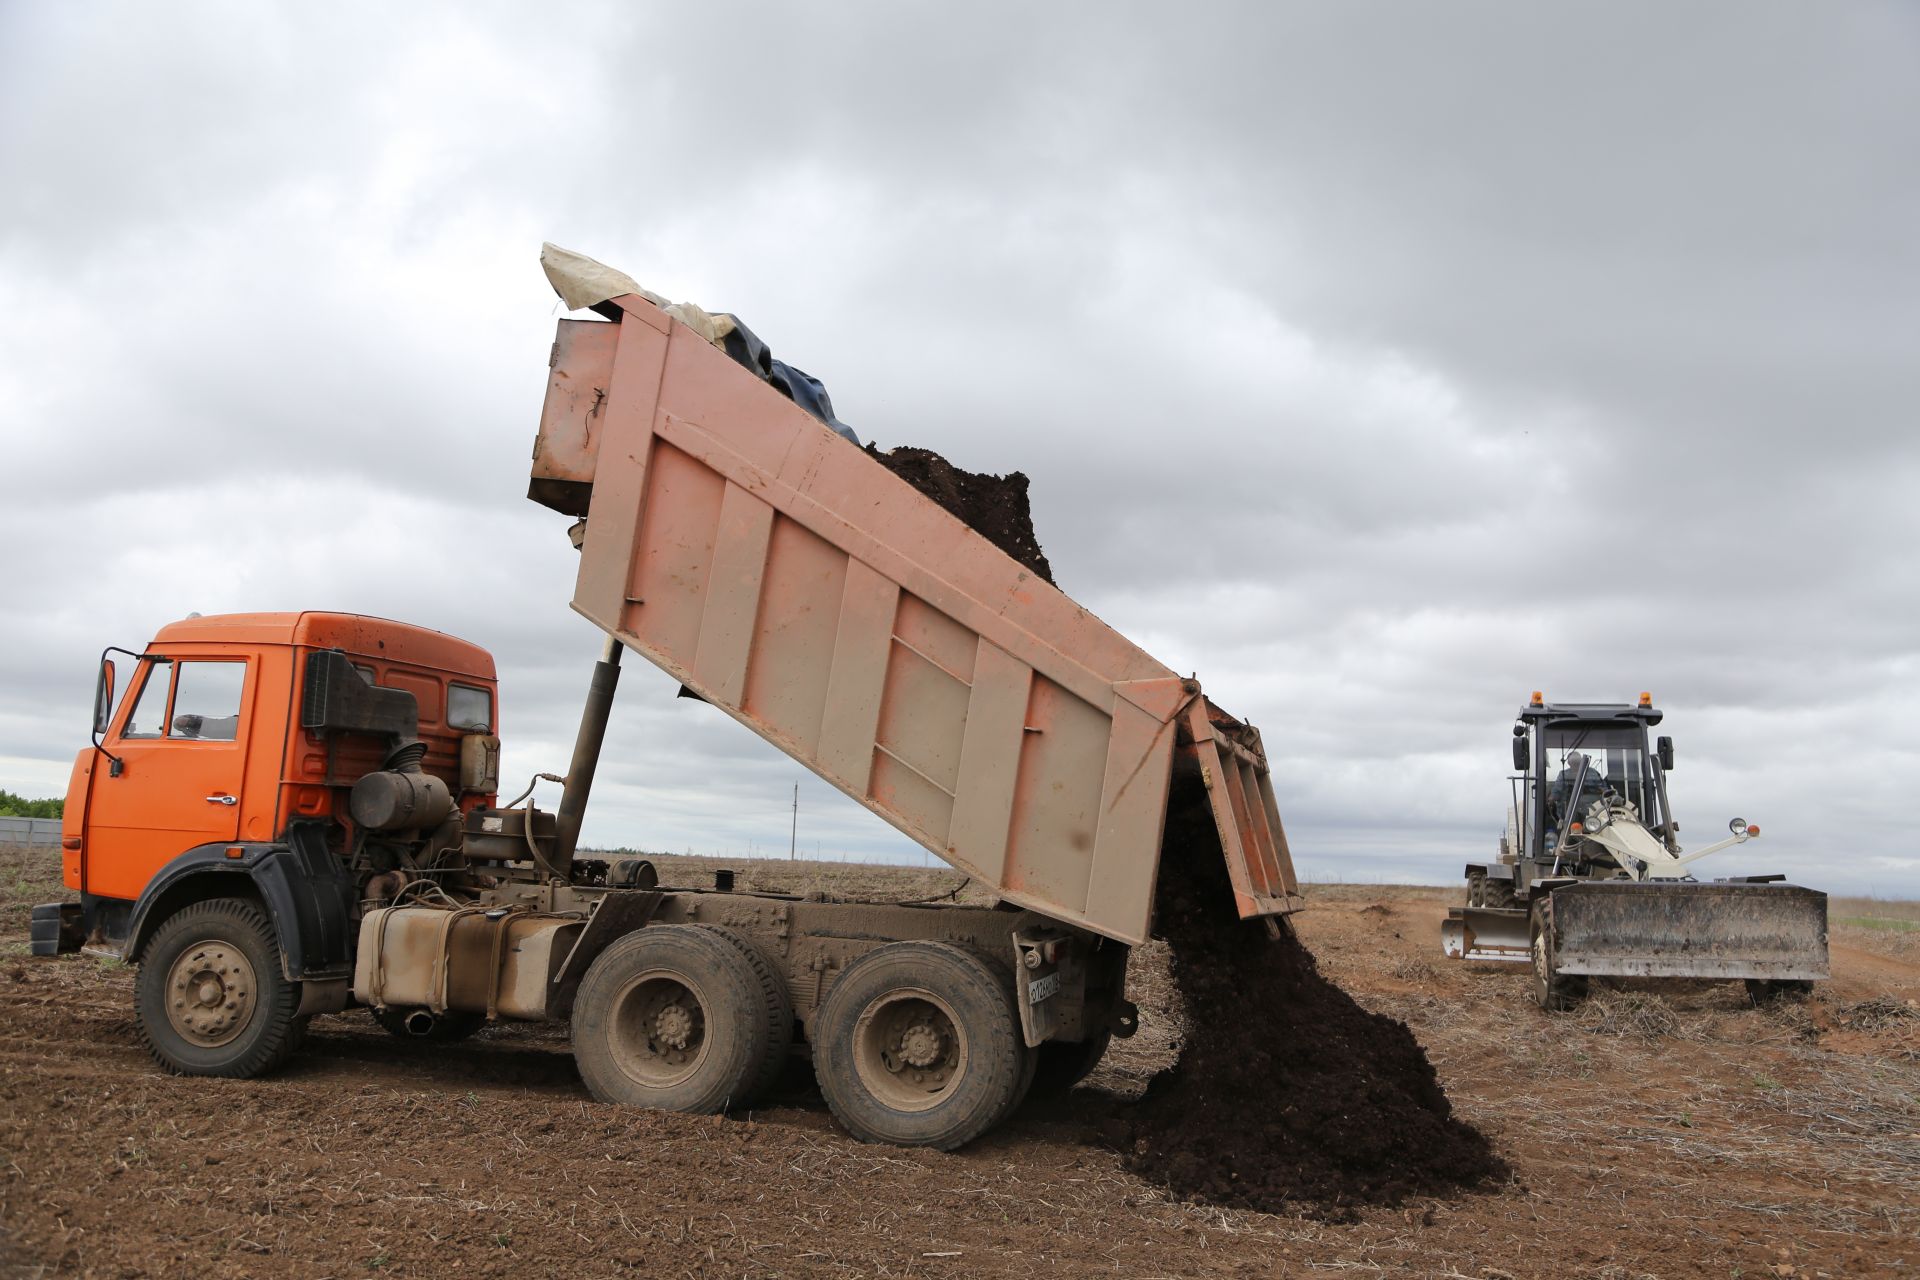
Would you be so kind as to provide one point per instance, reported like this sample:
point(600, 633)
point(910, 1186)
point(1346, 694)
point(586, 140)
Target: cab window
point(149, 718)
point(469, 708)
point(206, 700)
point(204, 705)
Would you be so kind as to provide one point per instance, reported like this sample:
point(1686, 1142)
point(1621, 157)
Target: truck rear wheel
point(918, 1044)
point(1553, 991)
point(210, 994)
point(1065, 1063)
point(680, 1018)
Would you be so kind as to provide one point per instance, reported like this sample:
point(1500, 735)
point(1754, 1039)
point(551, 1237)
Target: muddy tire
point(1064, 1064)
point(1553, 991)
point(1767, 991)
point(776, 1010)
point(210, 995)
point(427, 1027)
point(1477, 889)
point(1029, 1072)
point(678, 1018)
point(918, 1044)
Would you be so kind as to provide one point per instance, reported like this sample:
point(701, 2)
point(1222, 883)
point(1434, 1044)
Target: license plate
point(1040, 988)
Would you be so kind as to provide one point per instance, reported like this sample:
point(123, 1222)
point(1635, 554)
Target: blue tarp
point(795, 384)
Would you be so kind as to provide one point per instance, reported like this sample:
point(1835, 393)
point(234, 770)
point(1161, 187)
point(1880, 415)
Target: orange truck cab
point(226, 769)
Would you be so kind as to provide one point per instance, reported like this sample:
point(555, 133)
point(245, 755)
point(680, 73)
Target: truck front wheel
point(918, 1044)
point(210, 994)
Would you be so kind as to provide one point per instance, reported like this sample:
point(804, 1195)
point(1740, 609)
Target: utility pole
point(793, 836)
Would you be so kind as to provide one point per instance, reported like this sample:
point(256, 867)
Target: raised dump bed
point(793, 581)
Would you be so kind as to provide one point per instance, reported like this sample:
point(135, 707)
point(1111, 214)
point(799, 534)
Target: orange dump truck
point(288, 813)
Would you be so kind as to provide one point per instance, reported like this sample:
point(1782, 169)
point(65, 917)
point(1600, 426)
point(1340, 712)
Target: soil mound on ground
point(1286, 1091)
point(995, 506)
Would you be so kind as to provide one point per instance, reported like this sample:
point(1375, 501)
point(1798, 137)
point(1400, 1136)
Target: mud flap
point(618, 914)
point(1485, 933)
point(56, 928)
point(1049, 975)
point(1691, 930)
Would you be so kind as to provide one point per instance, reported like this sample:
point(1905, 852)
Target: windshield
point(1616, 761)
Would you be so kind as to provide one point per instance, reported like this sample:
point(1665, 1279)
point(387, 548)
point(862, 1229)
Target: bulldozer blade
point(1485, 933)
point(1683, 929)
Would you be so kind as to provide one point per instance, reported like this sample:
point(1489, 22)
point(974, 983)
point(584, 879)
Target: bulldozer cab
point(1574, 756)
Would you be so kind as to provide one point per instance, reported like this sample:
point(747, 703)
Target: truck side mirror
point(1664, 747)
point(1520, 755)
point(103, 696)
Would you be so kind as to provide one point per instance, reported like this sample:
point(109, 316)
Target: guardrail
point(30, 831)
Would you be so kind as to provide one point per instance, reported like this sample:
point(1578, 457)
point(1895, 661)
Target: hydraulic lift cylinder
point(586, 753)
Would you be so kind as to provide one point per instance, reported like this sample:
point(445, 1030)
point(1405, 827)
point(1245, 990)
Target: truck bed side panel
point(799, 585)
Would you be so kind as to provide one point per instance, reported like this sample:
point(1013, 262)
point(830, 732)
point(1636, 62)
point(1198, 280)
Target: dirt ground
point(1671, 1131)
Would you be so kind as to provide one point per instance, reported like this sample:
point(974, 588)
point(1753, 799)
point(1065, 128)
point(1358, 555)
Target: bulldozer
point(1591, 879)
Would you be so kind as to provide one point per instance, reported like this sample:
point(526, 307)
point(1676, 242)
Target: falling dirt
point(1286, 1092)
point(996, 507)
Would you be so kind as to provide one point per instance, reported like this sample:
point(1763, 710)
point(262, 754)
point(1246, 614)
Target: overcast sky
point(1378, 363)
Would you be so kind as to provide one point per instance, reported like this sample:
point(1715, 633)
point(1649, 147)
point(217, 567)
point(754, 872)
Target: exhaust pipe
point(586, 754)
point(420, 1022)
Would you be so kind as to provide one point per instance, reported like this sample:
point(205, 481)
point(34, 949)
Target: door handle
point(227, 800)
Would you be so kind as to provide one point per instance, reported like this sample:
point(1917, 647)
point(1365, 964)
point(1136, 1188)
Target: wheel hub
point(673, 1026)
point(210, 993)
point(922, 1045)
point(909, 1049)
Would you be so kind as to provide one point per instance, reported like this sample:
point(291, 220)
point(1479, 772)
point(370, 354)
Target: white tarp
point(581, 282)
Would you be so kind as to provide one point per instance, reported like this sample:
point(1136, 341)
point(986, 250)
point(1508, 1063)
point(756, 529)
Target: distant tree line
point(13, 806)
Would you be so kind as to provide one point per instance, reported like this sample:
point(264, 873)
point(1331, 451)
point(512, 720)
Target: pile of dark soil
point(995, 506)
point(1286, 1092)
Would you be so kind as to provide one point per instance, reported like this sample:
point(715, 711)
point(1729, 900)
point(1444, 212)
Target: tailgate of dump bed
point(800, 586)
point(1233, 765)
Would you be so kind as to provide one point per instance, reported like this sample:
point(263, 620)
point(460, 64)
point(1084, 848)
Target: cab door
point(182, 741)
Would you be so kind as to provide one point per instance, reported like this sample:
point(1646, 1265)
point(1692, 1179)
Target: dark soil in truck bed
point(1286, 1091)
point(996, 507)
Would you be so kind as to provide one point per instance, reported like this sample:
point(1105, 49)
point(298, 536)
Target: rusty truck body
point(351, 847)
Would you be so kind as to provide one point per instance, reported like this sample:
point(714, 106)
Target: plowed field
point(1658, 1131)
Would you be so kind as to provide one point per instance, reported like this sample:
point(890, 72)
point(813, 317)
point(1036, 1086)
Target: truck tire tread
point(1065, 1063)
point(778, 1005)
point(998, 1063)
point(274, 1031)
point(720, 975)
